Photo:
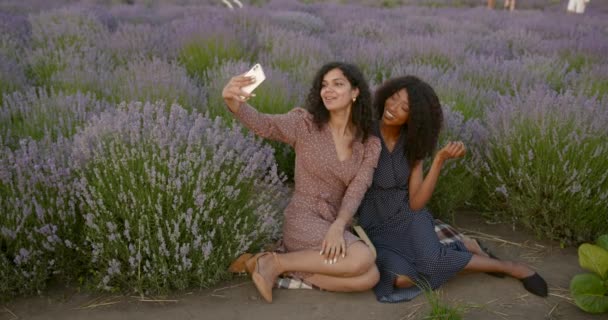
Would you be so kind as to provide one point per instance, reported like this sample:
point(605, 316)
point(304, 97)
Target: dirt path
point(485, 297)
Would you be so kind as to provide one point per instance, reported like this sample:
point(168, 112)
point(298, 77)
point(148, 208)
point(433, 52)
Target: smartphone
point(257, 72)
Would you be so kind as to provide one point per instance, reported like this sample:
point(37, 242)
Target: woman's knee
point(373, 277)
point(367, 280)
point(362, 262)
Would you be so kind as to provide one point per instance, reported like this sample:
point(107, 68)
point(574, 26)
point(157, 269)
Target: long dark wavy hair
point(361, 114)
point(425, 115)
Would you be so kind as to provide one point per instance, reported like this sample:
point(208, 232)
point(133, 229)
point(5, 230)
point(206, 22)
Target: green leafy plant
point(439, 309)
point(590, 290)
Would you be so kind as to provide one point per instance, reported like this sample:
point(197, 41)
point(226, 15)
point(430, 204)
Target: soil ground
point(481, 296)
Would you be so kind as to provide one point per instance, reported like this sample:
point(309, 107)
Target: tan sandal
point(258, 280)
point(252, 262)
point(240, 264)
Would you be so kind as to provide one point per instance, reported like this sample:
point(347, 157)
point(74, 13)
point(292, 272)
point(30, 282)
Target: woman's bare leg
point(484, 264)
point(359, 260)
point(473, 247)
point(362, 282)
point(480, 263)
point(403, 282)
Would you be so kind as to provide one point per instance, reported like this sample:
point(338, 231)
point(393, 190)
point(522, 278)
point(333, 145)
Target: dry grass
point(12, 314)
point(414, 311)
point(100, 302)
point(215, 292)
point(494, 238)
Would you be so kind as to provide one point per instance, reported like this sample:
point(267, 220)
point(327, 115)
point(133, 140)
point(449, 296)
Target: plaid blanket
point(445, 233)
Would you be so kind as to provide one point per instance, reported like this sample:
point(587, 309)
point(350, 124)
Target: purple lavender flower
point(174, 214)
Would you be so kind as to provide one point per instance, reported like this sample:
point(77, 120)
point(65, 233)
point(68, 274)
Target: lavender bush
point(60, 37)
point(544, 163)
point(71, 27)
point(154, 79)
point(12, 77)
point(36, 114)
point(170, 198)
point(39, 233)
point(205, 43)
point(89, 71)
point(291, 51)
point(457, 185)
point(134, 40)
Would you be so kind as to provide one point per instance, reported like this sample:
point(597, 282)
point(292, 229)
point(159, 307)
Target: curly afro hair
point(425, 116)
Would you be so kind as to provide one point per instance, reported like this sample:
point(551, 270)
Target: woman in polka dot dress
point(335, 160)
point(392, 212)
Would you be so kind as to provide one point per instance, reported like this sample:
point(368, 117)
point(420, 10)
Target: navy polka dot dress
point(405, 240)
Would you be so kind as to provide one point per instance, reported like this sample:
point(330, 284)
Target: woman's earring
point(354, 99)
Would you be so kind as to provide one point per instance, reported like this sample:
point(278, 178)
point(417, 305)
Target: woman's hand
point(453, 150)
point(334, 245)
point(233, 94)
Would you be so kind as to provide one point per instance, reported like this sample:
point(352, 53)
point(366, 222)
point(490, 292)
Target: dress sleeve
point(279, 127)
point(362, 181)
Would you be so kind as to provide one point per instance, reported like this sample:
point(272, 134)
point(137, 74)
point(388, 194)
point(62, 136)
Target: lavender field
point(120, 168)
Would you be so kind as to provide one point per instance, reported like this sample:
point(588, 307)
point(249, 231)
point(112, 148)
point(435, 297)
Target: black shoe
point(491, 255)
point(535, 284)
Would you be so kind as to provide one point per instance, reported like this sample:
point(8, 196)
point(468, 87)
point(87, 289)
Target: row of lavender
point(156, 196)
point(148, 197)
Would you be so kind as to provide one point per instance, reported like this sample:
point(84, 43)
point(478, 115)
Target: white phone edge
point(259, 75)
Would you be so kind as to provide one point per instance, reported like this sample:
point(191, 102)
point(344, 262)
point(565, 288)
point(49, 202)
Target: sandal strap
point(276, 259)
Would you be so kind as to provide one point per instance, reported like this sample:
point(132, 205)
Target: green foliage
point(576, 61)
point(5, 88)
point(594, 258)
point(201, 55)
point(590, 290)
point(490, 82)
point(465, 102)
point(598, 87)
point(390, 3)
point(440, 310)
point(42, 65)
point(589, 293)
point(603, 242)
point(456, 185)
point(37, 114)
point(286, 158)
point(437, 60)
point(548, 174)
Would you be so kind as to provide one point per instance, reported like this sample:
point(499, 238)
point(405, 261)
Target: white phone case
point(259, 75)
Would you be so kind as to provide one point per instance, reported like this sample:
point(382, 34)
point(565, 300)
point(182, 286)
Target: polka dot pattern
point(324, 185)
point(405, 240)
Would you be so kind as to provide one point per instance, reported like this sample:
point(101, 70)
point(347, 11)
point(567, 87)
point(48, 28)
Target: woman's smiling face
point(396, 109)
point(336, 91)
